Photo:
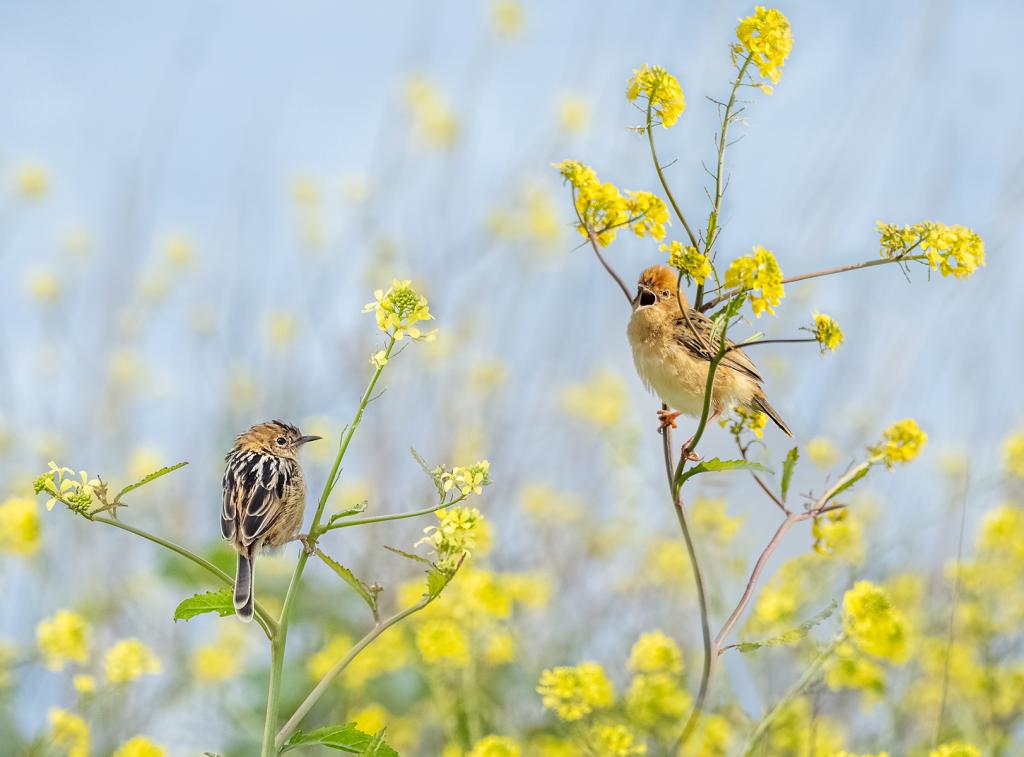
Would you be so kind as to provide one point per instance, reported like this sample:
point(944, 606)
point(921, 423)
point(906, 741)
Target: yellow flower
point(648, 214)
point(574, 692)
point(822, 452)
point(953, 250)
point(19, 526)
point(281, 329)
point(442, 642)
point(654, 652)
point(600, 400)
point(84, 684)
point(454, 536)
point(220, 660)
point(431, 116)
point(469, 480)
point(758, 271)
point(767, 38)
point(546, 505)
point(873, 624)
point(321, 662)
point(657, 703)
point(507, 18)
point(955, 749)
point(850, 669)
point(745, 419)
point(661, 90)
point(129, 659)
point(616, 741)
point(901, 442)
point(496, 746)
point(32, 181)
point(688, 260)
point(179, 250)
point(710, 519)
point(140, 746)
point(827, 332)
point(797, 582)
point(572, 114)
point(370, 719)
point(63, 637)
point(69, 732)
point(714, 736)
point(601, 206)
point(500, 648)
point(837, 535)
point(1013, 454)
point(1002, 533)
point(44, 286)
point(399, 310)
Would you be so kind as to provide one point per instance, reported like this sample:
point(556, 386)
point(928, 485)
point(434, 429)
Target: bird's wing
point(254, 486)
point(693, 332)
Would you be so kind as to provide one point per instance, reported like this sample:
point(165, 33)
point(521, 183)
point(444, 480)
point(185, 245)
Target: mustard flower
point(469, 480)
point(220, 660)
point(838, 535)
point(711, 520)
point(84, 684)
point(654, 652)
point(757, 272)
point(601, 206)
point(1002, 532)
point(572, 114)
point(76, 493)
point(62, 638)
point(953, 250)
point(822, 452)
point(130, 659)
point(648, 214)
point(687, 259)
point(657, 86)
point(32, 181)
point(399, 309)
point(744, 419)
point(507, 18)
point(1013, 454)
point(616, 741)
point(454, 536)
point(901, 442)
point(601, 400)
point(495, 746)
point(851, 669)
point(657, 702)
point(574, 692)
point(827, 332)
point(955, 749)
point(69, 732)
point(767, 39)
point(442, 642)
point(19, 526)
point(431, 116)
point(140, 746)
point(870, 620)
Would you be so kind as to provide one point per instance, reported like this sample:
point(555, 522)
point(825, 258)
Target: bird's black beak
point(644, 298)
point(303, 439)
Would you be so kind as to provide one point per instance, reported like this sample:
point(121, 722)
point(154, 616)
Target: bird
point(672, 350)
point(264, 499)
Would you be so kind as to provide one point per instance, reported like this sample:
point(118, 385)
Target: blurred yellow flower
point(321, 662)
point(130, 659)
point(31, 180)
point(178, 250)
point(767, 38)
point(496, 746)
point(827, 332)
point(281, 329)
point(19, 526)
point(1013, 454)
point(62, 638)
point(757, 272)
point(44, 286)
point(76, 241)
point(822, 452)
point(432, 119)
point(657, 703)
point(839, 535)
point(388, 653)
point(665, 561)
point(144, 460)
point(851, 669)
point(84, 684)
point(574, 692)
point(442, 642)
point(546, 505)
point(305, 191)
point(68, 732)
point(955, 749)
point(507, 18)
point(1002, 533)
point(654, 652)
point(873, 624)
point(711, 520)
point(901, 442)
point(573, 114)
point(743, 419)
point(488, 376)
point(661, 89)
point(499, 648)
point(616, 741)
point(140, 746)
point(370, 719)
point(220, 660)
point(600, 400)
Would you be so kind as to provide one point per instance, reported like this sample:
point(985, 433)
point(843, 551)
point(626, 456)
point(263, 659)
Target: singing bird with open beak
point(672, 350)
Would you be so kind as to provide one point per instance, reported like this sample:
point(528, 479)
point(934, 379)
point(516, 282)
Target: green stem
point(663, 180)
point(280, 640)
point(394, 516)
point(266, 622)
point(795, 690)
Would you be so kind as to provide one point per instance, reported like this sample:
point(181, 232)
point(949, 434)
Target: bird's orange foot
point(667, 419)
point(307, 547)
point(690, 455)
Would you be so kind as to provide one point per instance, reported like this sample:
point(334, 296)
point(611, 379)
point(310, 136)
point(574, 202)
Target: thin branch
point(334, 525)
point(597, 251)
point(661, 175)
point(764, 487)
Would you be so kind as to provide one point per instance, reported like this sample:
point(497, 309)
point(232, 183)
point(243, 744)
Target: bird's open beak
point(644, 298)
point(303, 439)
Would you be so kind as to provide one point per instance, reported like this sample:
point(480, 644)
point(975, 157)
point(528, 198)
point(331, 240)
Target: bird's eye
point(280, 440)
point(665, 292)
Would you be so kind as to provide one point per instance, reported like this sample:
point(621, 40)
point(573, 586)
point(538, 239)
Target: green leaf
point(351, 579)
point(787, 470)
point(714, 464)
point(792, 636)
point(149, 479)
point(354, 510)
point(220, 602)
point(409, 555)
point(345, 738)
point(436, 581)
point(857, 476)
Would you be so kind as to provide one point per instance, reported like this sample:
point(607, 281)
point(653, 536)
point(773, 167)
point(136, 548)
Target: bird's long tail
point(760, 403)
point(244, 575)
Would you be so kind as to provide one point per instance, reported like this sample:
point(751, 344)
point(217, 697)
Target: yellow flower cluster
point(827, 332)
point(767, 38)
point(654, 652)
point(822, 452)
point(759, 271)
point(712, 522)
point(62, 638)
point(1013, 454)
point(442, 642)
point(399, 309)
point(615, 740)
point(69, 732)
point(851, 669)
point(32, 181)
point(838, 535)
point(507, 18)
point(603, 209)
point(19, 526)
point(656, 700)
point(797, 582)
point(140, 746)
point(471, 480)
point(454, 536)
point(574, 692)
point(432, 118)
point(872, 623)
point(953, 250)
point(130, 659)
point(901, 442)
point(661, 89)
point(221, 660)
point(745, 419)
point(687, 259)
point(76, 493)
point(600, 400)
point(495, 746)
point(955, 749)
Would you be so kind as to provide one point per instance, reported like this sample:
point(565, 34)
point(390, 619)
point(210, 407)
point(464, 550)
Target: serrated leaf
point(345, 738)
point(409, 555)
point(436, 581)
point(714, 464)
point(149, 479)
point(350, 578)
point(787, 470)
point(220, 602)
point(792, 636)
point(861, 472)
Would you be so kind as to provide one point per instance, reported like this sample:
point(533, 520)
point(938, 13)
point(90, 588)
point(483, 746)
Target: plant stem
point(808, 677)
point(663, 180)
point(266, 622)
point(394, 516)
point(318, 690)
point(281, 638)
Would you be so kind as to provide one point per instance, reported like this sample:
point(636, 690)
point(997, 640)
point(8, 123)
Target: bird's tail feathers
point(244, 575)
point(760, 403)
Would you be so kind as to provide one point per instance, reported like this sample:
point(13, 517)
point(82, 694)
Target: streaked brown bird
point(672, 350)
point(264, 499)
